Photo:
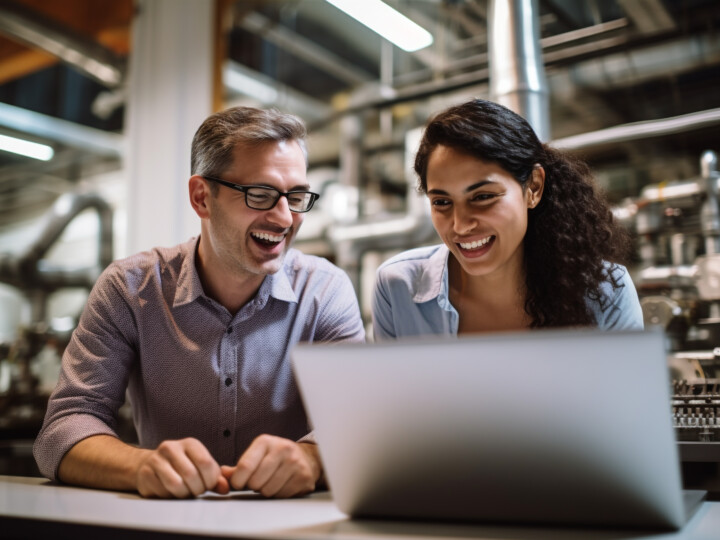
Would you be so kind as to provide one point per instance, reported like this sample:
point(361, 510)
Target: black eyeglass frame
point(237, 187)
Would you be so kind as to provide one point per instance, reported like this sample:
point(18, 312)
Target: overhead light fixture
point(25, 148)
point(389, 23)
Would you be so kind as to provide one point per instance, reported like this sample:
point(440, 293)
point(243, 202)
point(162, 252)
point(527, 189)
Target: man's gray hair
point(216, 139)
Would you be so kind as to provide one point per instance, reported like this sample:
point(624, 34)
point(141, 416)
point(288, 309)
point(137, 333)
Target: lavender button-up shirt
point(190, 367)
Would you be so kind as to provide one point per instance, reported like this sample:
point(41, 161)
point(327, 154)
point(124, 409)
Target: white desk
point(36, 508)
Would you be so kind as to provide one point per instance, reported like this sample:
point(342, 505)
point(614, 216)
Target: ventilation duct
point(517, 73)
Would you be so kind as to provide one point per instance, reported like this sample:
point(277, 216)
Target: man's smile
point(268, 238)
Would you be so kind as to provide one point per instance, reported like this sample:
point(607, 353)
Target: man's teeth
point(476, 244)
point(268, 237)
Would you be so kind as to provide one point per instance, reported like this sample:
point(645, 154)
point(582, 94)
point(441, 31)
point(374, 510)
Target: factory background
point(112, 91)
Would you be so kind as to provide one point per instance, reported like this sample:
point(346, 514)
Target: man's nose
point(280, 214)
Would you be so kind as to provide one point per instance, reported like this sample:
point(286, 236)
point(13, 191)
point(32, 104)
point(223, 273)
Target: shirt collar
point(278, 284)
point(189, 287)
point(433, 281)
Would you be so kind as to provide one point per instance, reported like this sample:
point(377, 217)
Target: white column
point(170, 94)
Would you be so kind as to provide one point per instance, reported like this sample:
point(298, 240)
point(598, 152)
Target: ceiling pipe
point(566, 40)
point(649, 16)
point(259, 87)
point(641, 130)
point(304, 48)
point(36, 31)
point(664, 60)
point(69, 133)
point(517, 72)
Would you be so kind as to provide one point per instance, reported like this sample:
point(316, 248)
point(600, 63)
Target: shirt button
point(226, 432)
point(228, 381)
point(229, 330)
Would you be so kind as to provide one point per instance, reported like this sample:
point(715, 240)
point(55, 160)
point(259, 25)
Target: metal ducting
point(517, 72)
point(29, 271)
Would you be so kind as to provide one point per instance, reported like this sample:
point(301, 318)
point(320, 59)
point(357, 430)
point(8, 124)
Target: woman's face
point(480, 211)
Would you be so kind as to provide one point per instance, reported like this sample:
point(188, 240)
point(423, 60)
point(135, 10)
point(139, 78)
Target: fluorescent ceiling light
point(26, 148)
point(390, 24)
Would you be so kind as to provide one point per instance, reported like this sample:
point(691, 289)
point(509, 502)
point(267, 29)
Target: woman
point(528, 242)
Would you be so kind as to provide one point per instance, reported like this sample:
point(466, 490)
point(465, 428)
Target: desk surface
point(44, 508)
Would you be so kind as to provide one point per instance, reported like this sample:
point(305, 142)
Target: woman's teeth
point(268, 237)
point(476, 244)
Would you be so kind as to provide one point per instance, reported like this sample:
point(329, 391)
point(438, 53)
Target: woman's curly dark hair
point(571, 233)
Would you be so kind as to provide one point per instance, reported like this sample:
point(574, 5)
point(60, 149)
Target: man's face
point(247, 241)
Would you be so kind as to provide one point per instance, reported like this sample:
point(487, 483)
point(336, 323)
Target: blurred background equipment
point(30, 364)
point(102, 97)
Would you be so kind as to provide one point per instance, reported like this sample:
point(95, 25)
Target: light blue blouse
point(412, 297)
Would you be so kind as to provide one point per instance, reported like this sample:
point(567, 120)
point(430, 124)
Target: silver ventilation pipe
point(29, 271)
point(710, 216)
point(517, 72)
point(36, 277)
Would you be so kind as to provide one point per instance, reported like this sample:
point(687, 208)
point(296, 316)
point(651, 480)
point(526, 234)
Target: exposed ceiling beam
point(649, 16)
point(304, 49)
point(561, 13)
point(39, 32)
point(469, 24)
point(24, 63)
point(566, 39)
point(266, 90)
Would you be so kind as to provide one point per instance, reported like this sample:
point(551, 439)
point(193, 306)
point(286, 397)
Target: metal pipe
point(90, 139)
point(517, 72)
point(248, 82)
point(480, 60)
point(635, 66)
point(710, 217)
point(304, 48)
point(28, 271)
point(399, 231)
point(641, 130)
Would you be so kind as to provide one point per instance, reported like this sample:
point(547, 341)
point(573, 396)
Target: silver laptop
point(548, 427)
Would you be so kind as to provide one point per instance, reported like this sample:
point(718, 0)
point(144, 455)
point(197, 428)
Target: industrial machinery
point(677, 275)
point(677, 225)
point(30, 364)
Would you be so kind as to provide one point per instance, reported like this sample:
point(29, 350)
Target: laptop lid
point(563, 427)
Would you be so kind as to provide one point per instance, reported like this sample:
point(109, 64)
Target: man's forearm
point(102, 462)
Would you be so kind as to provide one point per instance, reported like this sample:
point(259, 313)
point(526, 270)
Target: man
point(199, 334)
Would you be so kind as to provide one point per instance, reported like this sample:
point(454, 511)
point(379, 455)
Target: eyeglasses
point(265, 197)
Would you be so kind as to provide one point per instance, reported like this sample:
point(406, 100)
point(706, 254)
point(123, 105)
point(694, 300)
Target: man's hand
point(276, 467)
point(179, 469)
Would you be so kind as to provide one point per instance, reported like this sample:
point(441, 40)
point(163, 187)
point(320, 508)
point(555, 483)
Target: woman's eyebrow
point(468, 189)
point(476, 185)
